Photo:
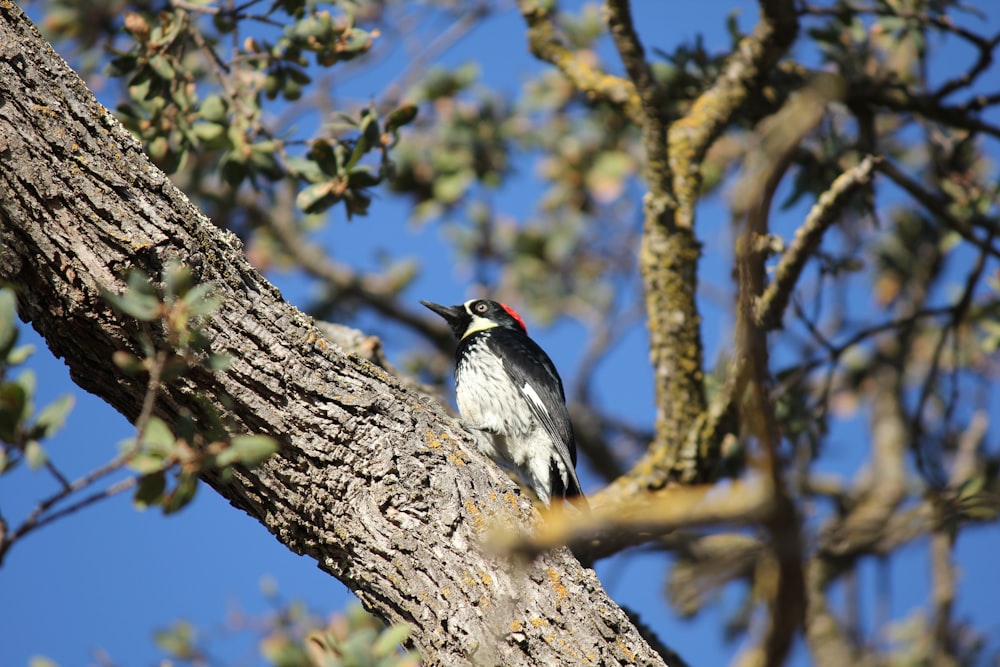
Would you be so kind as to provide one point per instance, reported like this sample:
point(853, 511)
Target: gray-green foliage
point(23, 428)
point(169, 459)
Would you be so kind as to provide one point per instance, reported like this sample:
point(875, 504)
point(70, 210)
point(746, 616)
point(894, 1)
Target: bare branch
point(825, 212)
point(653, 119)
point(585, 77)
point(627, 521)
point(691, 136)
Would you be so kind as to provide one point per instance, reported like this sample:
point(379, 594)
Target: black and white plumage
point(508, 388)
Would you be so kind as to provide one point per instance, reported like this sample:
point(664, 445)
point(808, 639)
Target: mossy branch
point(589, 80)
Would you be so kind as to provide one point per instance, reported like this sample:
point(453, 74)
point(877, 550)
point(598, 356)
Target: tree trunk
point(374, 482)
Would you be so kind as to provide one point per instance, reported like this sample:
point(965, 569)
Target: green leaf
point(20, 354)
point(139, 300)
point(227, 457)
point(213, 109)
point(8, 326)
point(316, 198)
point(449, 188)
point(212, 134)
point(396, 119)
point(362, 177)
point(53, 416)
point(174, 368)
point(366, 141)
point(157, 438)
point(253, 449)
point(177, 641)
point(182, 494)
point(161, 65)
point(265, 163)
point(146, 463)
point(177, 279)
point(35, 454)
point(304, 168)
point(391, 639)
point(281, 651)
point(41, 661)
point(218, 362)
point(150, 490)
point(200, 301)
point(128, 362)
point(13, 399)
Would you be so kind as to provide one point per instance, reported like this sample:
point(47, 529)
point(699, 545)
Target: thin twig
point(39, 517)
point(376, 292)
point(937, 205)
point(932, 474)
point(51, 467)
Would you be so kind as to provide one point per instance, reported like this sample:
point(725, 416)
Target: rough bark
point(375, 483)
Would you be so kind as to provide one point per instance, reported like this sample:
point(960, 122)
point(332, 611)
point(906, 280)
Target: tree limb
point(546, 46)
point(772, 304)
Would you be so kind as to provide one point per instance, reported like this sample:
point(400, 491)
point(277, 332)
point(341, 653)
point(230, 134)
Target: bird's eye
point(481, 307)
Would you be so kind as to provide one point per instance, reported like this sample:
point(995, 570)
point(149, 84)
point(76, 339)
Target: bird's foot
point(471, 426)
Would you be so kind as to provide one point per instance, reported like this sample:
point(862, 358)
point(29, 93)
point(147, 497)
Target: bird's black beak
point(449, 313)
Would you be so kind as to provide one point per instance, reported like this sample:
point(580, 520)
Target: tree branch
point(711, 113)
point(546, 46)
point(770, 308)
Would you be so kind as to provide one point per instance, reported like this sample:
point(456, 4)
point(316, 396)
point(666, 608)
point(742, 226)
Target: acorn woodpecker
point(508, 388)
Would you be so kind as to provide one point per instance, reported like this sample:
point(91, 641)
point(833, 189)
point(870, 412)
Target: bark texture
point(374, 482)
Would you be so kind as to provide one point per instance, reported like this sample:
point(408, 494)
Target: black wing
point(536, 377)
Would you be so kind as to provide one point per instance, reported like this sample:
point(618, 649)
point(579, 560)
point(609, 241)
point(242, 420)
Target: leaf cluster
point(23, 430)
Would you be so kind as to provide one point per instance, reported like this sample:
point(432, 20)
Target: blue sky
point(106, 578)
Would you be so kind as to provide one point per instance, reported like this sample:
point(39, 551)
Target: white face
point(478, 322)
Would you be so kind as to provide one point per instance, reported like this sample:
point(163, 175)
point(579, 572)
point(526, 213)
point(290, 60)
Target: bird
point(508, 389)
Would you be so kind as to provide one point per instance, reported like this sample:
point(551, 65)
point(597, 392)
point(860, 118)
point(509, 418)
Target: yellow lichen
point(621, 644)
point(478, 520)
point(511, 498)
point(557, 584)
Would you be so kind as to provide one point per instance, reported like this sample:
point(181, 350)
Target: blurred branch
point(829, 645)
point(942, 594)
point(376, 292)
point(38, 518)
point(653, 119)
point(627, 521)
point(983, 45)
point(585, 77)
point(590, 428)
point(931, 469)
point(937, 205)
point(766, 163)
point(691, 136)
point(900, 99)
point(466, 21)
point(705, 563)
point(41, 515)
point(771, 306)
point(780, 578)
